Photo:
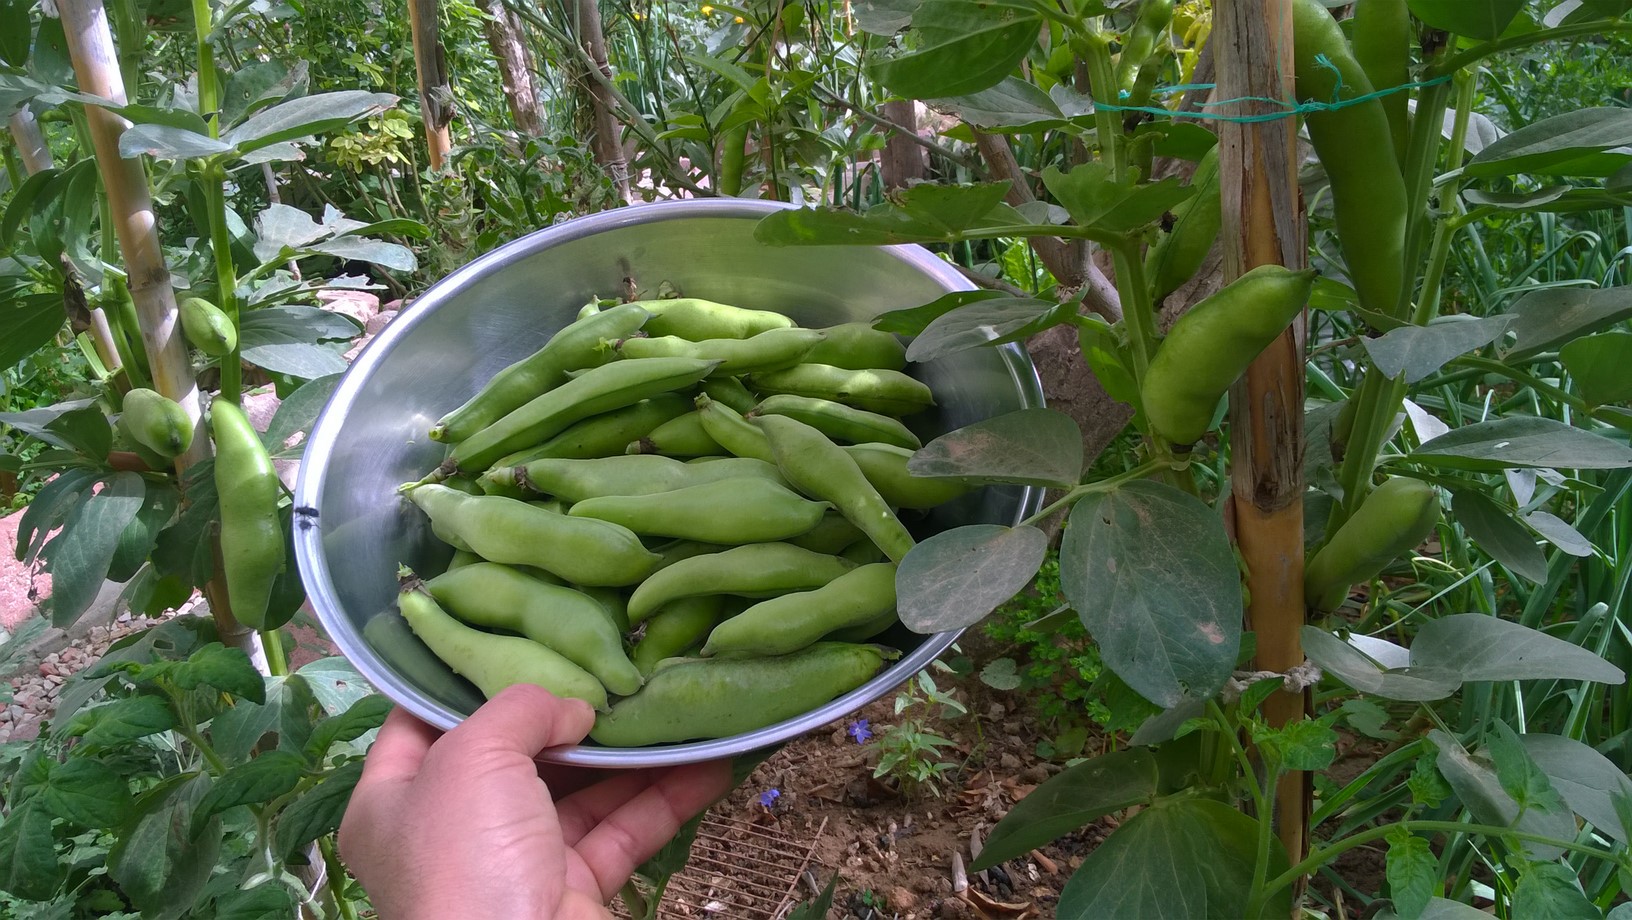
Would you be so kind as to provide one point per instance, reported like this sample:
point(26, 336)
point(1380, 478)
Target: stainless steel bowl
point(353, 530)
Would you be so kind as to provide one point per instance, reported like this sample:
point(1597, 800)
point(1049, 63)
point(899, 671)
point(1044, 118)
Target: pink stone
point(47, 669)
point(16, 581)
point(359, 305)
point(377, 322)
point(260, 406)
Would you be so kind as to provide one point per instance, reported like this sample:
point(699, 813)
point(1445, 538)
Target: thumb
point(523, 719)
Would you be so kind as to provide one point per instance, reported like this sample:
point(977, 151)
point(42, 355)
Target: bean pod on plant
point(252, 544)
point(1210, 346)
point(1178, 255)
point(161, 425)
point(1397, 516)
point(207, 327)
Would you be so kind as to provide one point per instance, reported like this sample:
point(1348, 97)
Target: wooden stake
point(509, 46)
point(1263, 225)
point(606, 144)
point(431, 68)
point(96, 64)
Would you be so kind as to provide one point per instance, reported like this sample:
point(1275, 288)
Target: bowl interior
point(354, 530)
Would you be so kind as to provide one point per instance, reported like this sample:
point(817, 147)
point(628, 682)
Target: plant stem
point(1137, 308)
point(1480, 52)
point(1103, 485)
point(276, 661)
point(1095, 50)
point(337, 871)
point(1328, 853)
point(635, 902)
point(1259, 800)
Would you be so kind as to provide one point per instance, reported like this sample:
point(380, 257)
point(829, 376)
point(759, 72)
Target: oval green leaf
point(958, 576)
point(1080, 793)
point(1036, 446)
point(1523, 441)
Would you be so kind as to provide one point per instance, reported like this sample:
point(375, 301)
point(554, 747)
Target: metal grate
point(737, 871)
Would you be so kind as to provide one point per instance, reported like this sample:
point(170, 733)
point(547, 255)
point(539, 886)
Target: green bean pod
point(577, 346)
point(718, 697)
point(462, 558)
point(745, 510)
point(677, 628)
point(733, 432)
point(208, 327)
point(831, 535)
point(581, 550)
point(1355, 144)
point(730, 391)
point(572, 624)
point(1210, 346)
point(841, 422)
point(1178, 255)
point(792, 621)
point(629, 474)
point(1396, 517)
point(822, 470)
point(670, 553)
point(493, 662)
point(252, 545)
point(859, 347)
point(158, 424)
point(885, 466)
point(683, 436)
point(862, 552)
point(889, 392)
point(597, 390)
point(866, 631)
point(603, 435)
point(697, 319)
point(612, 601)
point(755, 570)
point(1382, 45)
point(769, 350)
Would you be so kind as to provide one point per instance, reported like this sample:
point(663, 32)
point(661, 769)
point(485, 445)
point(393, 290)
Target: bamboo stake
point(509, 47)
point(36, 154)
point(431, 69)
point(96, 64)
point(608, 149)
point(1263, 225)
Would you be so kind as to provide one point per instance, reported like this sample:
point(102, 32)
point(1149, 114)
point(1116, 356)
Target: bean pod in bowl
point(694, 500)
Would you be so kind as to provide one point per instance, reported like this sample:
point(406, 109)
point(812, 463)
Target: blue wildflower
point(768, 797)
point(860, 731)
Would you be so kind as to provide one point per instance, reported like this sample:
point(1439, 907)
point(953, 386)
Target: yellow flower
point(737, 18)
point(707, 10)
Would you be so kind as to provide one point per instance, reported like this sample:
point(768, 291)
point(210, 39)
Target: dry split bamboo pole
point(1262, 225)
point(96, 64)
point(509, 46)
point(431, 68)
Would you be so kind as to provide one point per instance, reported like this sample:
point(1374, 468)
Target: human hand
point(467, 824)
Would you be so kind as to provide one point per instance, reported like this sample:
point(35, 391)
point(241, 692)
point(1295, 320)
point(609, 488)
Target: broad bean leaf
point(262, 779)
point(1589, 782)
point(318, 812)
point(28, 853)
point(364, 716)
point(1475, 646)
point(985, 323)
point(1548, 318)
point(958, 576)
point(299, 411)
point(306, 116)
point(1485, 19)
point(284, 340)
point(281, 226)
point(15, 32)
point(84, 430)
point(883, 17)
point(955, 208)
point(266, 901)
point(31, 322)
point(1550, 891)
point(964, 46)
point(78, 558)
point(1096, 199)
point(159, 863)
point(1495, 531)
point(120, 722)
point(1563, 145)
point(1598, 364)
point(1079, 794)
point(253, 86)
point(380, 252)
point(1557, 531)
point(1180, 858)
point(1436, 909)
point(1040, 447)
point(1348, 664)
point(1473, 777)
point(56, 500)
point(1417, 351)
point(167, 142)
point(1523, 441)
point(913, 320)
point(1412, 871)
point(87, 793)
point(1012, 104)
point(1153, 575)
point(1517, 201)
point(921, 214)
point(159, 501)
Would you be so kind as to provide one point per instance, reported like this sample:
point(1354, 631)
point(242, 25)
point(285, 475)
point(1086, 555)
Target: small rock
point(901, 900)
point(955, 907)
point(1015, 741)
point(23, 700)
point(54, 680)
point(359, 305)
point(47, 668)
point(1009, 762)
point(377, 322)
point(1036, 773)
point(924, 884)
point(996, 712)
point(40, 704)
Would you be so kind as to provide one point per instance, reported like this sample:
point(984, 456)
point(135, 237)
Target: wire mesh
point(738, 871)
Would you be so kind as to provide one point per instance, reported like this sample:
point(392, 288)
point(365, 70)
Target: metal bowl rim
point(325, 430)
